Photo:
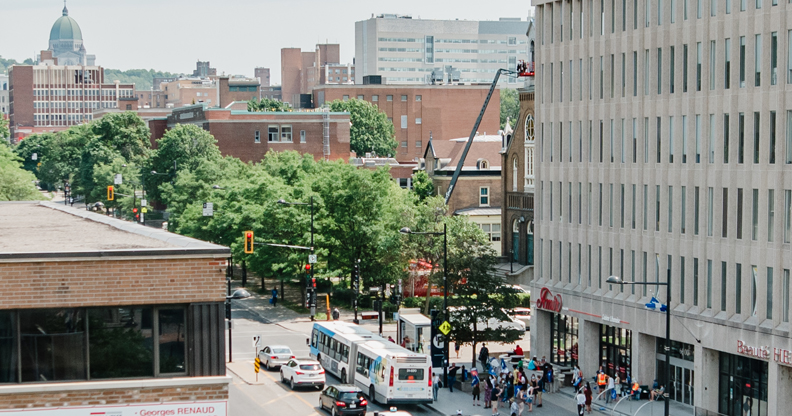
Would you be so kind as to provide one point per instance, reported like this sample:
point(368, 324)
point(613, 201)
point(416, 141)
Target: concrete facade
point(445, 111)
point(664, 140)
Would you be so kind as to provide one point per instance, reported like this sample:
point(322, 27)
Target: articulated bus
point(389, 373)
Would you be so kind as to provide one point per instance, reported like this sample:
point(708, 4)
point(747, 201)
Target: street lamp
point(406, 230)
point(238, 294)
point(312, 296)
point(616, 280)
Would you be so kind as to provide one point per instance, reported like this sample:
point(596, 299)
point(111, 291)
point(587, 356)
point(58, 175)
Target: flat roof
point(48, 230)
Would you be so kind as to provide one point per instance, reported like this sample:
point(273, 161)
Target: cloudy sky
point(235, 35)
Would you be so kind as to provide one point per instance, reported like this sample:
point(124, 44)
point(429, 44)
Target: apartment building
point(404, 50)
point(664, 142)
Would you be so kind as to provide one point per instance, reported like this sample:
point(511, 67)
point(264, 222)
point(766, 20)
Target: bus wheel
point(371, 393)
point(343, 376)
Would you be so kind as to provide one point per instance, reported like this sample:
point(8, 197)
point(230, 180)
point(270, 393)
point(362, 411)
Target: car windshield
point(281, 351)
point(350, 395)
point(310, 367)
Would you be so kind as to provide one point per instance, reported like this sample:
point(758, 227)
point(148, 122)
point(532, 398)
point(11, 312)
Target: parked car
point(275, 356)
point(343, 399)
point(519, 289)
point(303, 373)
point(524, 315)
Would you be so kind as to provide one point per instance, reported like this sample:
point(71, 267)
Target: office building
point(302, 71)
point(404, 50)
point(664, 142)
point(4, 103)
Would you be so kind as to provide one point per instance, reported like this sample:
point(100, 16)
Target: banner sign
point(203, 408)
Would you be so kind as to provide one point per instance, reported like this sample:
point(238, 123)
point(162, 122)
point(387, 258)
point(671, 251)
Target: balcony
point(519, 200)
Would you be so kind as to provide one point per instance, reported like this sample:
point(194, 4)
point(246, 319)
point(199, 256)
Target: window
point(404, 98)
point(769, 293)
point(727, 68)
point(418, 98)
point(712, 65)
point(785, 297)
point(404, 122)
point(418, 120)
point(659, 71)
point(286, 134)
point(695, 281)
point(375, 98)
point(712, 138)
point(739, 212)
point(484, 196)
point(773, 58)
point(696, 210)
point(418, 144)
point(758, 60)
point(682, 279)
point(273, 134)
point(404, 143)
point(684, 209)
point(772, 137)
point(709, 284)
point(710, 210)
point(725, 213)
point(698, 65)
point(257, 137)
point(670, 208)
point(302, 136)
point(755, 215)
point(671, 77)
point(645, 205)
point(787, 215)
point(698, 138)
point(770, 214)
point(346, 98)
point(657, 208)
point(635, 72)
point(389, 98)
point(647, 70)
point(740, 137)
point(738, 289)
point(684, 67)
point(671, 139)
point(742, 61)
point(726, 135)
point(698, 9)
point(492, 231)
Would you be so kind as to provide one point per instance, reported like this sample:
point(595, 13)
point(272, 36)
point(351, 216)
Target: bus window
point(411, 374)
point(314, 338)
point(345, 357)
point(363, 364)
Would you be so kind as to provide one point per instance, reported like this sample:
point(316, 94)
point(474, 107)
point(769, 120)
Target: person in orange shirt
point(636, 391)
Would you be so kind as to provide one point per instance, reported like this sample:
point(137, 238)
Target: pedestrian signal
point(248, 242)
point(110, 193)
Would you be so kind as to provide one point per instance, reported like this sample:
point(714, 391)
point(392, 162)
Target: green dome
point(65, 28)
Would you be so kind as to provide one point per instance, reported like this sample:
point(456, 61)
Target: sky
point(234, 35)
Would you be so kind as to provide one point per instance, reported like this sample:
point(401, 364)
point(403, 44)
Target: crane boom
point(473, 133)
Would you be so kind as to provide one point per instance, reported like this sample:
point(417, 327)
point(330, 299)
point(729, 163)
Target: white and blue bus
point(389, 373)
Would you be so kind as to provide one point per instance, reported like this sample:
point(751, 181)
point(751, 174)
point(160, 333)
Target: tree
point(268, 104)
point(184, 147)
point(16, 184)
point(371, 131)
point(509, 106)
point(422, 185)
point(4, 132)
point(479, 294)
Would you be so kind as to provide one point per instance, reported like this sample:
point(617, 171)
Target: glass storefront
point(682, 374)
point(742, 386)
point(616, 350)
point(564, 340)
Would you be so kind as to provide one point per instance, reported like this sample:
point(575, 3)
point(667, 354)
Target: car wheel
point(283, 380)
point(371, 394)
point(292, 383)
point(321, 404)
point(343, 377)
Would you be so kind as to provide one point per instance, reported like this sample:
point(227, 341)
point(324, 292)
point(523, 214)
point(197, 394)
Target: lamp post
point(238, 294)
point(406, 230)
point(312, 294)
point(667, 347)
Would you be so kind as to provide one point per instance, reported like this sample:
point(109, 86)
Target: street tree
point(61, 159)
point(371, 131)
point(509, 106)
point(16, 183)
point(422, 185)
point(4, 132)
point(268, 105)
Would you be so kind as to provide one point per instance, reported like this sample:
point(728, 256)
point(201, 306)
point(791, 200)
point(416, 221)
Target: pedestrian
point(476, 384)
point(509, 393)
point(581, 402)
point(514, 409)
point(618, 385)
point(452, 377)
point(336, 314)
point(494, 398)
point(435, 384)
point(588, 392)
point(519, 398)
point(611, 390)
point(483, 357)
point(456, 348)
point(602, 382)
point(390, 338)
point(529, 398)
point(488, 391)
point(576, 378)
point(532, 364)
point(540, 387)
point(274, 296)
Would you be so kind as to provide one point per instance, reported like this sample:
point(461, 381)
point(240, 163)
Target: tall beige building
point(664, 142)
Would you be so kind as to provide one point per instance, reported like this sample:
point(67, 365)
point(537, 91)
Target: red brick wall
point(466, 192)
point(20, 84)
point(109, 282)
point(114, 396)
point(291, 78)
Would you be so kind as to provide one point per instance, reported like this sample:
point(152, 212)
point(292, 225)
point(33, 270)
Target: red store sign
point(549, 302)
point(779, 355)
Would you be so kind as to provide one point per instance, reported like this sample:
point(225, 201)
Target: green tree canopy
point(4, 132)
point(268, 104)
point(422, 185)
point(16, 184)
point(142, 78)
point(371, 130)
point(509, 106)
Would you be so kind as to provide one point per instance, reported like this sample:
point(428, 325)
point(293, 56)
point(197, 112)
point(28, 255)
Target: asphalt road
point(271, 397)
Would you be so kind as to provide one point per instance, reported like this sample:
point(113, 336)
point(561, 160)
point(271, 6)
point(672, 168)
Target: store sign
point(780, 355)
point(549, 302)
point(213, 408)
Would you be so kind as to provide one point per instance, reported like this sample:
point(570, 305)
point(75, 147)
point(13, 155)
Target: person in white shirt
point(609, 392)
point(581, 402)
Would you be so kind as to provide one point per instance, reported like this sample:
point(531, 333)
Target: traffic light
point(248, 242)
point(134, 210)
point(110, 193)
point(308, 268)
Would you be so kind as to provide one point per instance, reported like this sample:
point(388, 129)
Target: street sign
point(312, 258)
point(34, 156)
point(257, 365)
point(256, 341)
point(143, 202)
point(445, 328)
point(208, 209)
point(118, 179)
point(374, 289)
point(144, 210)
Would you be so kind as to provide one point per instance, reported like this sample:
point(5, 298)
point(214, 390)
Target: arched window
point(514, 174)
point(482, 164)
point(529, 129)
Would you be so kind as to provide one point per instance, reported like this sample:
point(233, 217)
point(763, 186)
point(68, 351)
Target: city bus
point(389, 373)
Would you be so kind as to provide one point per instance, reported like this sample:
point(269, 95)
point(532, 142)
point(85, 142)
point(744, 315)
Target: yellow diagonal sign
point(445, 328)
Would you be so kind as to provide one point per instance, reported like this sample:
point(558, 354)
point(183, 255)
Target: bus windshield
point(410, 374)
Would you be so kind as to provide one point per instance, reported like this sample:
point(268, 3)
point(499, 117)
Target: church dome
point(65, 28)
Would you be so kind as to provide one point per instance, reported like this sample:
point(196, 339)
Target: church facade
point(66, 42)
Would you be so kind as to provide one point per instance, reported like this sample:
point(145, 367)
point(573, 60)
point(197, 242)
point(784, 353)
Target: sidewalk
point(448, 404)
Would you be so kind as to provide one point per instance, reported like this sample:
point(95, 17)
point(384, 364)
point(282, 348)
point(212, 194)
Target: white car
point(275, 356)
point(303, 373)
point(524, 315)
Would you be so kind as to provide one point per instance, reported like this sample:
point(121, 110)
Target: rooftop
point(46, 229)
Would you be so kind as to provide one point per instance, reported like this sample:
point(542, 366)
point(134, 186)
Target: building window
point(273, 134)
point(286, 134)
point(404, 144)
point(418, 98)
point(484, 196)
point(418, 120)
point(418, 144)
point(404, 98)
point(564, 340)
point(346, 98)
point(257, 137)
point(359, 97)
point(302, 136)
point(404, 122)
point(483, 164)
point(389, 98)
point(492, 231)
point(375, 98)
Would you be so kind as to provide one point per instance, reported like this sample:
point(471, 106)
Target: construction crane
point(523, 70)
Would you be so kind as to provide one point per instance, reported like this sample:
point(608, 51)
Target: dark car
point(343, 399)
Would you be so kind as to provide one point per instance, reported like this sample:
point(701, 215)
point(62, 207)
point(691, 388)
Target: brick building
point(477, 192)
point(445, 111)
point(302, 71)
point(55, 97)
point(250, 135)
point(131, 316)
point(263, 75)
